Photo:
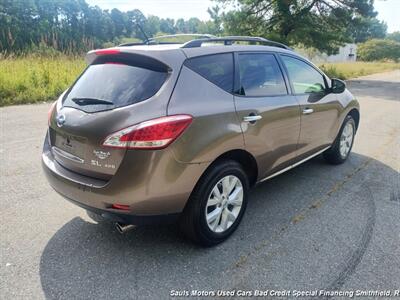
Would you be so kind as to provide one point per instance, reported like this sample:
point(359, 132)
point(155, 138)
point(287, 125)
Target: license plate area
point(71, 144)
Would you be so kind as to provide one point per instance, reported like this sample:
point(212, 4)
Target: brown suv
point(162, 132)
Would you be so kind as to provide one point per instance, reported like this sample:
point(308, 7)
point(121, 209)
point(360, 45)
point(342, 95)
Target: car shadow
point(88, 260)
point(378, 89)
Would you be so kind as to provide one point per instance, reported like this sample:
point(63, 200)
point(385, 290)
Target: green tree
point(181, 26)
point(215, 27)
point(320, 24)
point(118, 20)
point(167, 26)
point(135, 18)
point(17, 25)
point(395, 36)
point(152, 25)
point(364, 28)
point(193, 25)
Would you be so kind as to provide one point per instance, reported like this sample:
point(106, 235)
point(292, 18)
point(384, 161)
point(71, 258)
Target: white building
point(346, 53)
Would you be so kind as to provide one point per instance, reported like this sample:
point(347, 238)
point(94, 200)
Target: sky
point(387, 9)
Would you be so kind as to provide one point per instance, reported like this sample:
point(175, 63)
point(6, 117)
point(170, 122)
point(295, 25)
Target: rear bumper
point(128, 218)
point(154, 185)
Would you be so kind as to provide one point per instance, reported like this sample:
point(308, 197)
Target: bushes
point(376, 49)
point(394, 36)
point(36, 79)
point(349, 70)
point(333, 71)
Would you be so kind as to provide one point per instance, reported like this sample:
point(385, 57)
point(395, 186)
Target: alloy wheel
point(224, 204)
point(346, 139)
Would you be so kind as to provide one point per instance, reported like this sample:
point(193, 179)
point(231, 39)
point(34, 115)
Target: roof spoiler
point(117, 55)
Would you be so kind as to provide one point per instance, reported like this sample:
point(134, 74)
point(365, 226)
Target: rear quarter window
point(217, 68)
point(115, 85)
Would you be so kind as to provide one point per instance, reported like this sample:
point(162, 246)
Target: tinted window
point(304, 78)
point(216, 68)
point(117, 84)
point(260, 75)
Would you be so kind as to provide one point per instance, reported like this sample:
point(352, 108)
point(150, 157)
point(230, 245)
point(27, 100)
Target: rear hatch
point(117, 90)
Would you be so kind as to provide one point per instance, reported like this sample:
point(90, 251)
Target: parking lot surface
point(315, 227)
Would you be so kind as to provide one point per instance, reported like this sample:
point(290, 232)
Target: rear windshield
point(111, 85)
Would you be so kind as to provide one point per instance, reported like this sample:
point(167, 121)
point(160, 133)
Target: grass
point(38, 79)
point(34, 79)
point(349, 70)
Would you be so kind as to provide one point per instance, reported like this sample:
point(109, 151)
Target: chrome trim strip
point(64, 173)
point(294, 165)
point(67, 155)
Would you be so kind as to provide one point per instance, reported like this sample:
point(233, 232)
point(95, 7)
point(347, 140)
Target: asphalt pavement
point(316, 227)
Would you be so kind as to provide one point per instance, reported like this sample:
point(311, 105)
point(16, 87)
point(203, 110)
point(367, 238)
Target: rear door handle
point(307, 111)
point(252, 119)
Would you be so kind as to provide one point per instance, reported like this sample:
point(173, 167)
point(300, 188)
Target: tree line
point(73, 26)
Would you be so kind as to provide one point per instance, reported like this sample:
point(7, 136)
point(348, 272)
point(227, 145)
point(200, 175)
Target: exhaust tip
point(123, 228)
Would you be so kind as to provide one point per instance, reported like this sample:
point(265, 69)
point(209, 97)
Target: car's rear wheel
point(217, 204)
point(343, 143)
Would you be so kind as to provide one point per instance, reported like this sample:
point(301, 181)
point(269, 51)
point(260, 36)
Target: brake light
point(113, 63)
point(107, 52)
point(50, 112)
point(120, 206)
point(154, 134)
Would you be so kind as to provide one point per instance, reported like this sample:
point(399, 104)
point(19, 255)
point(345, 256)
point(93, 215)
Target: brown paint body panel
point(215, 128)
point(273, 139)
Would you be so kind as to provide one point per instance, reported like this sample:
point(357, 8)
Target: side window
point(305, 79)
point(260, 75)
point(217, 68)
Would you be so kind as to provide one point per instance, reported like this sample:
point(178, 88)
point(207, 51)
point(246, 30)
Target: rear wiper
point(89, 101)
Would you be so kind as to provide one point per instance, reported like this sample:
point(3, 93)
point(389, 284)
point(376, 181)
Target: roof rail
point(131, 44)
point(153, 40)
point(229, 40)
point(206, 36)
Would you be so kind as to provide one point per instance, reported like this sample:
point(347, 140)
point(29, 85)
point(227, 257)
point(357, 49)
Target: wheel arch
point(244, 158)
point(355, 115)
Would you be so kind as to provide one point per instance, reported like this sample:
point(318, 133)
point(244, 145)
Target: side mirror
point(338, 86)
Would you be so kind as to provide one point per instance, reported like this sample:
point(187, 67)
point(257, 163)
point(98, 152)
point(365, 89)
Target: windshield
point(111, 85)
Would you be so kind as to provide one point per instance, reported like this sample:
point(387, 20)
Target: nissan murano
point(164, 132)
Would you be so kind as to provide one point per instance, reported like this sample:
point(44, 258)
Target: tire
point(335, 155)
point(200, 206)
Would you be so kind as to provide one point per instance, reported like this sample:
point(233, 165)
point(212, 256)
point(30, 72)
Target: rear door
point(270, 115)
point(319, 109)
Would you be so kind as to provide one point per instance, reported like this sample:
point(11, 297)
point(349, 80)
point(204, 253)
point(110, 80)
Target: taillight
point(50, 112)
point(107, 51)
point(114, 63)
point(120, 206)
point(154, 134)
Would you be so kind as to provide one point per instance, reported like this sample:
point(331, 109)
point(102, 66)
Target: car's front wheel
point(343, 143)
point(217, 204)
